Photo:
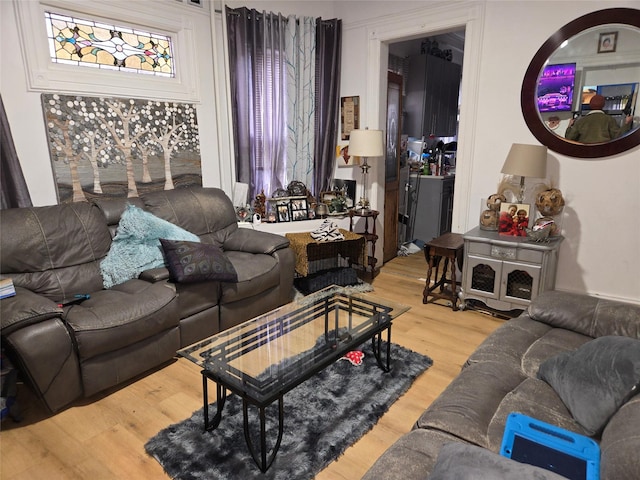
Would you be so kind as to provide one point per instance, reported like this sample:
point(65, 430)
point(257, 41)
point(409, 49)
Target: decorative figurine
point(259, 204)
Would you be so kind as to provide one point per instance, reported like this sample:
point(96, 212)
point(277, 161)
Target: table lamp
point(525, 161)
point(365, 144)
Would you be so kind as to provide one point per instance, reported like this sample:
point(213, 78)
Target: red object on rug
point(355, 357)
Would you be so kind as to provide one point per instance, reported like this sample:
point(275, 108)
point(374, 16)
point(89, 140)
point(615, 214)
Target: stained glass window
point(88, 43)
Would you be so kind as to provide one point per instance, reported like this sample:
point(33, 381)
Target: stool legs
point(434, 261)
point(454, 293)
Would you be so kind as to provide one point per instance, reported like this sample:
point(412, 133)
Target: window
point(93, 44)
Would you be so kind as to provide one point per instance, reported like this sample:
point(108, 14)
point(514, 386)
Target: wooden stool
point(451, 247)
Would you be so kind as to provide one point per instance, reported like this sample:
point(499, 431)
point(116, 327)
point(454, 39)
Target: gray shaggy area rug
point(322, 418)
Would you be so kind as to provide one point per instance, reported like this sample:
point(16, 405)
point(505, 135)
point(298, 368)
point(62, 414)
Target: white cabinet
point(506, 273)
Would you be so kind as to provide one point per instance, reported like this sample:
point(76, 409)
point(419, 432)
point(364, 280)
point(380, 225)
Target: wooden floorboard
point(103, 437)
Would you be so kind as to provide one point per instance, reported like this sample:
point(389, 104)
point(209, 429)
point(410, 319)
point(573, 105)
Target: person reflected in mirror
point(597, 126)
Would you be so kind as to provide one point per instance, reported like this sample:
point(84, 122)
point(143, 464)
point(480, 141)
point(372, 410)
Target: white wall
point(21, 88)
point(600, 253)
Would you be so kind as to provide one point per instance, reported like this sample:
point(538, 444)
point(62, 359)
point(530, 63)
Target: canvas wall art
point(120, 147)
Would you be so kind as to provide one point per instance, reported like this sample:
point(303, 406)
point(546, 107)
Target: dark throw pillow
point(190, 262)
point(596, 379)
point(460, 461)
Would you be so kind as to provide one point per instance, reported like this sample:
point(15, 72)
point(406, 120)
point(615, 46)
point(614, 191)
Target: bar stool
point(451, 247)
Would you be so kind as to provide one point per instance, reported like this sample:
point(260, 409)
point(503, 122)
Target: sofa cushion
point(122, 316)
point(256, 274)
point(136, 246)
point(620, 443)
point(54, 251)
point(468, 404)
point(190, 262)
point(411, 457)
point(207, 212)
point(535, 398)
point(596, 379)
point(459, 461)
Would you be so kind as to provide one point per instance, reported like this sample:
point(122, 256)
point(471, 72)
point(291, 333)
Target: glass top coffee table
point(262, 359)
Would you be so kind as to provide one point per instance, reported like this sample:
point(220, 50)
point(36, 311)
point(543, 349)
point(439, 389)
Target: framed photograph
point(607, 42)
point(343, 159)
point(349, 115)
point(514, 219)
point(299, 209)
point(282, 211)
point(349, 188)
point(327, 197)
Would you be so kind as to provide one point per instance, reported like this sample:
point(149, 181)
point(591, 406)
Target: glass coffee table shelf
point(264, 358)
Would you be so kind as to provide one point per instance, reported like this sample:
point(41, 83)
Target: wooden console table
point(370, 237)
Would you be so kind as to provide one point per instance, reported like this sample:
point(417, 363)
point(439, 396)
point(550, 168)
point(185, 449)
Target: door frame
point(468, 15)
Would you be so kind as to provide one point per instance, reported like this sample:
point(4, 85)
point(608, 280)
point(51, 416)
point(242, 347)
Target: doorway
point(450, 47)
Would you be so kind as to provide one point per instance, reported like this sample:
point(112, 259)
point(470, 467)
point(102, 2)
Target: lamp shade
point(525, 161)
point(366, 143)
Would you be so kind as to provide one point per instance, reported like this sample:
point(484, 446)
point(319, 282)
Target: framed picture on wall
point(349, 115)
point(514, 218)
point(343, 159)
point(607, 42)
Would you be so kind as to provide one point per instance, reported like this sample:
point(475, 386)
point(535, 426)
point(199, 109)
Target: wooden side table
point(370, 237)
point(451, 247)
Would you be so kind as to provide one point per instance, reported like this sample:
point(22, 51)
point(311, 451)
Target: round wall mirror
point(598, 53)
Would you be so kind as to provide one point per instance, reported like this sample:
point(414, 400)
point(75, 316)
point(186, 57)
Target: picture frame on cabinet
point(514, 219)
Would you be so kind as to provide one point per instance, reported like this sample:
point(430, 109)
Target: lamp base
point(363, 204)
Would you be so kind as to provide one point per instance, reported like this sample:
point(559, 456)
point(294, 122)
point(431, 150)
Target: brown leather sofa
point(501, 377)
point(54, 252)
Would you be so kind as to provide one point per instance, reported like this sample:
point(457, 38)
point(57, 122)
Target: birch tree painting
point(120, 147)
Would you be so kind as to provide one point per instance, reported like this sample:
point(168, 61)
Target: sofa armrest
point(26, 308)
point(254, 241)
point(154, 275)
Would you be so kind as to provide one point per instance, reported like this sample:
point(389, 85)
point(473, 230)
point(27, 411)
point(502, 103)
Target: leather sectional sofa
point(502, 376)
point(54, 252)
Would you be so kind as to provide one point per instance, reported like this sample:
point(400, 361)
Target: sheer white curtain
point(300, 55)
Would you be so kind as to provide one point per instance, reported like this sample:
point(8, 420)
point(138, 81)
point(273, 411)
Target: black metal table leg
point(376, 343)
point(221, 397)
point(261, 457)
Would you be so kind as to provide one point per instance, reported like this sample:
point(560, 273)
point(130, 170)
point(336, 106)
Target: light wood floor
point(104, 437)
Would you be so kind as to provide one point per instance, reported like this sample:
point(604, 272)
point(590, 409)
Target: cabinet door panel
point(520, 282)
point(483, 277)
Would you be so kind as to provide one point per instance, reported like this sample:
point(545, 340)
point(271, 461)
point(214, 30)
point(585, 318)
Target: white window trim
point(43, 75)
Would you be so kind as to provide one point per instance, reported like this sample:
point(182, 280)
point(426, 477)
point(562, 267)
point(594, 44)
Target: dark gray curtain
point(256, 64)
point(14, 189)
point(328, 58)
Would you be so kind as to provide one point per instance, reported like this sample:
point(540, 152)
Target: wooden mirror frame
point(626, 16)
